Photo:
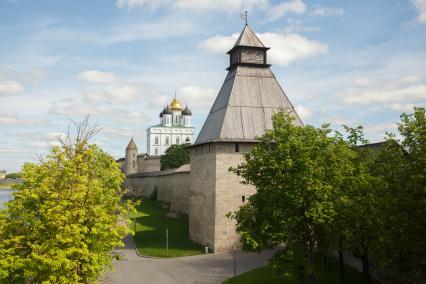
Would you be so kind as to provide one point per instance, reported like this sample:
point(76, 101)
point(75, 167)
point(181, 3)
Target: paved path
point(211, 268)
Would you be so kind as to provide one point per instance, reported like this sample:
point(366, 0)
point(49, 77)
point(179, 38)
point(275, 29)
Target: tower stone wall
point(131, 159)
point(230, 193)
point(214, 192)
point(202, 195)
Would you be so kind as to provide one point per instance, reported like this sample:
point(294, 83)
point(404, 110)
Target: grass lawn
point(330, 275)
point(6, 185)
point(151, 225)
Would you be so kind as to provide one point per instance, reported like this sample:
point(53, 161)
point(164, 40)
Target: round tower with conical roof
point(131, 158)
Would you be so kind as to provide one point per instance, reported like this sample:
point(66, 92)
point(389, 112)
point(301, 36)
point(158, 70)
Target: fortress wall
point(172, 186)
point(174, 189)
point(141, 186)
point(148, 164)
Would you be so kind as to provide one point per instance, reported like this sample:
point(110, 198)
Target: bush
point(14, 175)
point(175, 156)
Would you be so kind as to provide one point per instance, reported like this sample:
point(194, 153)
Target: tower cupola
point(248, 50)
point(186, 111)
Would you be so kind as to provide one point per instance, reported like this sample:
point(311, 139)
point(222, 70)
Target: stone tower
point(241, 112)
point(131, 158)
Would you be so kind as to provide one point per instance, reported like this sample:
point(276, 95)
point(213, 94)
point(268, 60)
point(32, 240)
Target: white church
point(174, 128)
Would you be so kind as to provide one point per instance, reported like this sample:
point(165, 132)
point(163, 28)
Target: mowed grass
point(6, 185)
point(330, 275)
point(151, 225)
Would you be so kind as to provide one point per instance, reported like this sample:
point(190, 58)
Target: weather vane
point(244, 17)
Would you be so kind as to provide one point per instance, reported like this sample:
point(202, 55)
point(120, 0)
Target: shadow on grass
point(151, 226)
point(328, 275)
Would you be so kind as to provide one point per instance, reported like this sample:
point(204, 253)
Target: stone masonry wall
point(148, 164)
point(172, 187)
point(202, 195)
point(230, 194)
point(214, 192)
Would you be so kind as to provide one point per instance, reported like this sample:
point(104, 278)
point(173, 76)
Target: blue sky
point(352, 62)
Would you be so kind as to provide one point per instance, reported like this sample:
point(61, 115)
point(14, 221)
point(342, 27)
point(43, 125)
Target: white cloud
point(74, 108)
point(218, 43)
point(327, 11)
point(297, 26)
point(403, 107)
point(285, 48)
point(420, 5)
point(126, 116)
point(198, 99)
point(291, 47)
point(170, 26)
point(121, 132)
point(386, 96)
point(12, 119)
point(120, 93)
point(10, 87)
point(151, 4)
point(95, 76)
point(410, 79)
point(303, 112)
point(194, 5)
point(294, 6)
point(377, 131)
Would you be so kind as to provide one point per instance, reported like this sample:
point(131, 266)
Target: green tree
point(296, 171)
point(402, 169)
point(359, 222)
point(175, 156)
point(14, 175)
point(66, 217)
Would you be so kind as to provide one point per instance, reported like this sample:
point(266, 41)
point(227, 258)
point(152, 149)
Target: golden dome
point(176, 105)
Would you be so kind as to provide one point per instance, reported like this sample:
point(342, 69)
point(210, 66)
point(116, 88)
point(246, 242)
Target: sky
point(342, 62)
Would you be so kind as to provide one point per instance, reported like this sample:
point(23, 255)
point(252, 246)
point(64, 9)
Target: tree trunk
point(365, 269)
point(311, 245)
point(341, 267)
point(300, 278)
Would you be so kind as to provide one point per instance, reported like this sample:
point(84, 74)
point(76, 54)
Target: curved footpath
point(211, 268)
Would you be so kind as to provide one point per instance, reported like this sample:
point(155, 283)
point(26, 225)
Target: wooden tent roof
point(248, 38)
point(245, 104)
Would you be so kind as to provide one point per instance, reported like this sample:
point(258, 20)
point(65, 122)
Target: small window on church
point(177, 140)
point(167, 140)
point(156, 151)
point(243, 198)
point(156, 140)
point(237, 147)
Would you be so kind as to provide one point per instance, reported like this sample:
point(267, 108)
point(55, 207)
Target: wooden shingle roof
point(248, 38)
point(245, 104)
